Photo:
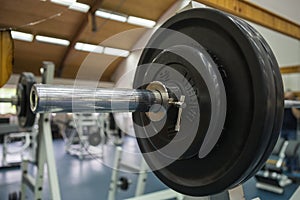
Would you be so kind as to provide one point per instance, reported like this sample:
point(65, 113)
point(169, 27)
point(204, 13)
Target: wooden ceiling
point(41, 17)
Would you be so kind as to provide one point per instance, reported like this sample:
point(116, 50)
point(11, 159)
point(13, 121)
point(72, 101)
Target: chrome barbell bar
point(64, 99)
point(13, 100)
point(291, 103)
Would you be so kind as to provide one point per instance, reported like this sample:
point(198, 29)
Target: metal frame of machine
point(45, 153)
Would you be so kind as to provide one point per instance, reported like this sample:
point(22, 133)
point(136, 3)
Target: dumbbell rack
point(233, 194)
point(45, 153)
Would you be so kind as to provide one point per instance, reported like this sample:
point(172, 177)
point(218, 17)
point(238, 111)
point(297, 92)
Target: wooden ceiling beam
point(297, 93)
point(256, 14)
point(95, 4)
point(290, 69)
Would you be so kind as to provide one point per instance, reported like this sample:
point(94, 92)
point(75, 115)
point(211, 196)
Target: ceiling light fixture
point(141, 21)
point(88, 47)
point(52, 40)
point(22, 36)
point(116, 52)
point(110, 15)
point(100, 49)
point(81, 7)
point(63, 2)
point(124, 18)
point(73, 5)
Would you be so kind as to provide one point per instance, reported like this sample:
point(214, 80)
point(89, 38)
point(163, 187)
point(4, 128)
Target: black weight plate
point(277, 104)
point(187, 72)
point(269, 139)
point(13, 196)
point(278, 100)
point(124, 183)
point(94, 139)
point(25, 116)
point(21, 108)
point(246, 134)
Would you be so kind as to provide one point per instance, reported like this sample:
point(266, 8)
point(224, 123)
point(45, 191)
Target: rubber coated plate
point(94, 139)
point(21, 107)
point(254, 101)
point(124, 183)
point(25, 115)
point(258, 44)
point(270, 59)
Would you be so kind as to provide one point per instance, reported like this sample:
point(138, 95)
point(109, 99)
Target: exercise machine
point(123, 183)
point(41, 141)
point(85, 137)
point(271, 177)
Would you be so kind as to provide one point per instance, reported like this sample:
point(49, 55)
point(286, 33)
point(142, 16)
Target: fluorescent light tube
point(88, 47)
point(112, 16)
point(141, 22)
point(81, 7)
point(63, 2)
point(22, 36)
point(52, 40)
point(116, 52)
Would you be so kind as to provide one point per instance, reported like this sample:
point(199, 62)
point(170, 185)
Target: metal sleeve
point(60, 99)
point(291, 103)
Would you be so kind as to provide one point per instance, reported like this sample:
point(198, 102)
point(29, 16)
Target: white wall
point(291, 81)
point(287, 52)
point(288, 8)
point(286, 49)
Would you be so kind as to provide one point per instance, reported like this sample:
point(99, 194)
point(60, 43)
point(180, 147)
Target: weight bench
point(271, 177)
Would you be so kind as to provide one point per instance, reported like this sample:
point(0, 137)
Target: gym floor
point(89, 178)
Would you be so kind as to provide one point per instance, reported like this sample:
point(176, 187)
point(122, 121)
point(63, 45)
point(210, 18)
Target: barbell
point(291, 103)
point(207, 102)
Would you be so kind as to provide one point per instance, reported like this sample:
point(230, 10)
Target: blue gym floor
point(89, 179)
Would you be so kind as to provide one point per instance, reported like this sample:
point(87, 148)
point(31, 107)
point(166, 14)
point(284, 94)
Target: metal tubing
point(13, 100)
point(291, 103)
point(60, 98)
point(5, 100)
